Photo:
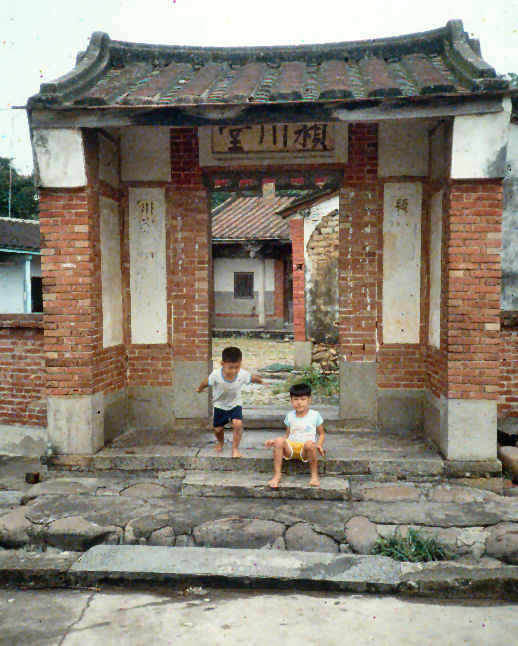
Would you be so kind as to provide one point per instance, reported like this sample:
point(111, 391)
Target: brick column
point(191, 271)
point(471, 321)
point(360, 218)
point(278, 295)
point(69, 224)
point(302, 346)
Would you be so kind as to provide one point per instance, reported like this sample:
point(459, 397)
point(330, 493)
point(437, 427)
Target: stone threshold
point(133, 565)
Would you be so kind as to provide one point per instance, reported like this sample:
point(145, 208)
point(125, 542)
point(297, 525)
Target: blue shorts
point(221, 417)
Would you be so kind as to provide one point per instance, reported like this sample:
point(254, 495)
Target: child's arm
point(321, 438)
point(203, 385)
point(255, 379)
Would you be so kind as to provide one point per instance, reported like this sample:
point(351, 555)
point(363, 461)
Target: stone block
point(302, 537)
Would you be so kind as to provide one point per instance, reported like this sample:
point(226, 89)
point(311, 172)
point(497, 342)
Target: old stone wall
point(322, 312)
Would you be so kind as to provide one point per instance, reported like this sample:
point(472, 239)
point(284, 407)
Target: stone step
point(238, 484)
point(380, 465)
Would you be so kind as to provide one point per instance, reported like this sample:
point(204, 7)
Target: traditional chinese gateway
point(411, 132)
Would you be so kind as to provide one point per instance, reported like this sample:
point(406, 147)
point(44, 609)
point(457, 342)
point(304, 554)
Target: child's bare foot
point(236, 454)
point(274, 482)
point(220, 440)
point(314, 482)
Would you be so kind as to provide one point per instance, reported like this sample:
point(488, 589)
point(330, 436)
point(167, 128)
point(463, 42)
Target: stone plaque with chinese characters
point(274, 138)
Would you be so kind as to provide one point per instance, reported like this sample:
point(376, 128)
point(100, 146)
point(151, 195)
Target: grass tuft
point(414, 547)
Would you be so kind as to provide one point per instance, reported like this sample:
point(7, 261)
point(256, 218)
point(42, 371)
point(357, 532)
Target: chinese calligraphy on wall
point(272, 138)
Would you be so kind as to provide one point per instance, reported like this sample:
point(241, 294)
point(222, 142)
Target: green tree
point(24, 197)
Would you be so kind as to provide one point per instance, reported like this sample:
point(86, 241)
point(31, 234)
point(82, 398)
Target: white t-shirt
point(304, 428)
point(227, 394)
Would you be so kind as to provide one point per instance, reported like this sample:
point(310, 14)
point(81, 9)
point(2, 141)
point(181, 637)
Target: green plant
point(414, 547)
point(324, 384)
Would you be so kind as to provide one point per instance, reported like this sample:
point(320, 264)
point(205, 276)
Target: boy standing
point(298, 443)
point(226, 383)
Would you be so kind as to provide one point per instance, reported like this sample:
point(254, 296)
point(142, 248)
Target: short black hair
point(232, 355)
point(300, 390)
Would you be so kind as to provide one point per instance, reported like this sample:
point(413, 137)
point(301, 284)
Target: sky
point(40, 38)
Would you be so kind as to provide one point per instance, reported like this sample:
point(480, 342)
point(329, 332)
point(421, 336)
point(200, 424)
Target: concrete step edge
point(132, 565)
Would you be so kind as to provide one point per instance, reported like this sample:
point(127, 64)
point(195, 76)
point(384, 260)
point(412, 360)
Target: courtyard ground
point(257, 355)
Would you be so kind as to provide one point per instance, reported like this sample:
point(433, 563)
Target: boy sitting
point(298, 443)
point(226, 383)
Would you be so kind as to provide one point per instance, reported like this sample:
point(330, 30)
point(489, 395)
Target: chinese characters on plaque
point(274, 138)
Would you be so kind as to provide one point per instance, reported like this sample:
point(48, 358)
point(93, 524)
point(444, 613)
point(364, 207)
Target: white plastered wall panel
point(111, 275)
point(146, 154)
point(403, 148)
point(224, 269)
point(59, 157)
point(147, 265)
point(434, 329)
point(401, 262)
point(479, 144)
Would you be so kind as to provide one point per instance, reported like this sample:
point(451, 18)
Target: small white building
point(20, 266)
point(252, 264)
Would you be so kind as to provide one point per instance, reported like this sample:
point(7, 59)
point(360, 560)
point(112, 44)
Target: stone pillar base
point(188, 404)
point(76, 423)
point(302, 354)
point(463, 429)
point(400, 409)
point(358, 390)
point(150, 406)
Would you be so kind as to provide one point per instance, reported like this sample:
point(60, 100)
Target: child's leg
point(220, 438)
point(281, 449)
point(237, 425)
point(309, 452)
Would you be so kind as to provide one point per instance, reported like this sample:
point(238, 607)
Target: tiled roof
point(19, 235)
point(304, 202)
point(250, 218)
point(440, 62)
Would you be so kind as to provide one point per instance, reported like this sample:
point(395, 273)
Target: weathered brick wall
point(191, 250)
point(360, 226)
point(299, 301)
point(508, 401)
point(22, 370)
point(472, 333)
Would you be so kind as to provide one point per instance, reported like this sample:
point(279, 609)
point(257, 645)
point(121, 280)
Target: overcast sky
point(40, 38)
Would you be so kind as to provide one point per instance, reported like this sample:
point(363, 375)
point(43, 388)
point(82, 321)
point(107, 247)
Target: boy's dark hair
point(300, 390)
point(232, 355)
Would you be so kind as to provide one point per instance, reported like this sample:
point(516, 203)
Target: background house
point(20, 266)
point(252, 264)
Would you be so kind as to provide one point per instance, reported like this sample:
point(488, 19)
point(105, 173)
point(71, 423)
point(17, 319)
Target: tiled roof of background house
point(250, 218)
point(443, 61)
point(19, 235)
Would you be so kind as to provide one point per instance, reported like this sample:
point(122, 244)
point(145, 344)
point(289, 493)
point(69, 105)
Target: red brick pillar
point(278, 295)
point(360, 222)
point(302, 347)
point(191, 273)
point(69, 223)
point(299, 299)
point(471, 321)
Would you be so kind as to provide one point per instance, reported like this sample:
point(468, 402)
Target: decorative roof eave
point(210, 114)
point(116, 72)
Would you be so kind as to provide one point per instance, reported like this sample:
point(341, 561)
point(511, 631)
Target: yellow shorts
point(296, 451)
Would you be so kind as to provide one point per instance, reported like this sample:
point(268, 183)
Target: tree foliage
point(24, 197)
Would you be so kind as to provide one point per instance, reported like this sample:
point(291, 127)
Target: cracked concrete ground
point(216, 618)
